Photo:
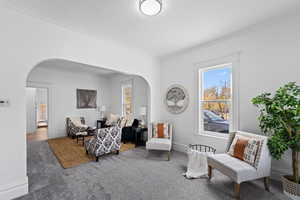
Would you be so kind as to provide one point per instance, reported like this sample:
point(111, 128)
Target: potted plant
point(280, 119)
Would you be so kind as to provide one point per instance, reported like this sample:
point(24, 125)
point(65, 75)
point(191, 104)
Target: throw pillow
point(123, 122)
point(251, 151)
point(257, 158)
point(112, 120)
point(76, 122)
point(155, 130)
point(232, 146)
point(160, 130)
point(239, 148)
point(130, 121)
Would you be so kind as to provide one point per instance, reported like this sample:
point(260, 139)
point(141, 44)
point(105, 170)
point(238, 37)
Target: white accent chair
point(238, 170)
point(160, 144)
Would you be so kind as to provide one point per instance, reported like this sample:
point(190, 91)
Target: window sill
point(213, 135)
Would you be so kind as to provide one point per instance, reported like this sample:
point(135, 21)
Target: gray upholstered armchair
point(75, 125)
point(107, 140)
point(240, 171)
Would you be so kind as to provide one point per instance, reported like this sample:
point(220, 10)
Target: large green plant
point(280, 119)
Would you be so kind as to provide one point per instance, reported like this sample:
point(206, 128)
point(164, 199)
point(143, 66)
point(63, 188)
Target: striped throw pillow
point(251, 151)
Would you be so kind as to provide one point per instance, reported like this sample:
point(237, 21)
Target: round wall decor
point(176, 99)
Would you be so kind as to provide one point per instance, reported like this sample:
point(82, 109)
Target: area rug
point(70, 154)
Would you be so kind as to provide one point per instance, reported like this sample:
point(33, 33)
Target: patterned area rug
point(70, 154)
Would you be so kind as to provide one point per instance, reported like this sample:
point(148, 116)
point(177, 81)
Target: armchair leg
point(117, 152)
point(97, 158)
point(86, 151)
point(267, 183)
point(209, 172)
point(237, 190)
point(169, 155)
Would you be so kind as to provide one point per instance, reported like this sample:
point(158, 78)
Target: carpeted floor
point(131, 175)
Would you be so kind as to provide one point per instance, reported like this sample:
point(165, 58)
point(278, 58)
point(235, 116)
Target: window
point(127, 99)
point(216, 105)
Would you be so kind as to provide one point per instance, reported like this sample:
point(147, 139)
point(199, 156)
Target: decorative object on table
point(102, 111)
point(143, 113)
point(75, 125)
point(160, 137)
point(176, 99)
point(197, 164)
point(241, 170)
point(279, 118)
point(86, 98)
point(107, 140)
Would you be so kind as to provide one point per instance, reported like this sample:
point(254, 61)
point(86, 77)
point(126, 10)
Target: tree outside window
point(216, 98)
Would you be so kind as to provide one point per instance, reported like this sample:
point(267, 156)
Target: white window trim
point(123, 85)
point(234, 120)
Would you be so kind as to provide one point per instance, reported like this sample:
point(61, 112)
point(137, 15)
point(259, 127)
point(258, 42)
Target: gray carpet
point(131, 175)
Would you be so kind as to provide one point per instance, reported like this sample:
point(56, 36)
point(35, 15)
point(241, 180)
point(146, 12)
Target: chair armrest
point(264, 165)
point(170, 131)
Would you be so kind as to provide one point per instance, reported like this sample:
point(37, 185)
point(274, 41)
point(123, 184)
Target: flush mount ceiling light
point(150, 7)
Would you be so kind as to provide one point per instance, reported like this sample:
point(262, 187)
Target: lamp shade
point(143, 110)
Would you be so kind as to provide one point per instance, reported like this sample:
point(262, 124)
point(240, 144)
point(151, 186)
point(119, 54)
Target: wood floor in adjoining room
point(40, 135)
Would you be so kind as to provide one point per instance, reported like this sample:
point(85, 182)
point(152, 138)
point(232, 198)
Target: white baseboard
point(179, 147)
point(14, 189)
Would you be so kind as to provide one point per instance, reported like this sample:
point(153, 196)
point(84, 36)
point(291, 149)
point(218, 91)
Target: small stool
point(81, 135)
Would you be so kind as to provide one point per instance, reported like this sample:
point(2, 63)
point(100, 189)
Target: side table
point(140, 136)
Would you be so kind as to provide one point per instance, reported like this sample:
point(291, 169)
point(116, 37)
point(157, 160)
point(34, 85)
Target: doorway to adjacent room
point(37, 113)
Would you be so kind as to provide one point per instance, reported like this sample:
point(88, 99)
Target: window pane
point(127, 99)
point(216, 83)
point(215, 116)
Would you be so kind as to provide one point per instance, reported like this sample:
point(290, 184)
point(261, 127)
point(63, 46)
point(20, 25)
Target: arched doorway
point(61, 78)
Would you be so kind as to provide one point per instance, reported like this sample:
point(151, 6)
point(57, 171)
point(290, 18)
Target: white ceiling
point(182, 23)
point(73, 67)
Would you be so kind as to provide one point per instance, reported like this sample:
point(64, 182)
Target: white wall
point(41, 98)
point(140, 93)
point(26, 41)
point(63, 85)
point(30, 110)
point(269, 58)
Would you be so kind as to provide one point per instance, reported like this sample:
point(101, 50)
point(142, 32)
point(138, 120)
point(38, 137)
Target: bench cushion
point(234, 168)
point(159, 144)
